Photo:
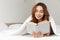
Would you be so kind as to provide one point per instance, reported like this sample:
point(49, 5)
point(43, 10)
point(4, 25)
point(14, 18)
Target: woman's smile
point(39, 17)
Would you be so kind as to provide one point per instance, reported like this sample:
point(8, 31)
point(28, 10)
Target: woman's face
point(39, 12)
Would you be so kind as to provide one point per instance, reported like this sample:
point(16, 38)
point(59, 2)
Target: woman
point(39, 14)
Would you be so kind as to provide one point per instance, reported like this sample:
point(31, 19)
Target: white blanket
point(54, 27)
point(9, 33)
point(18, 37)
point(18, 28)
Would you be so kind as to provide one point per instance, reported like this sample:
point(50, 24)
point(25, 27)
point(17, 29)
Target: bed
point(8, 34)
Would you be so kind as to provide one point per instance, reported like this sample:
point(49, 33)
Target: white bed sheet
point(18, 37)
point(28, 38)
point(9, 35)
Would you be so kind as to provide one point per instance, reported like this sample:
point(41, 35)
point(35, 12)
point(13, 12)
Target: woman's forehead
point(39, 8)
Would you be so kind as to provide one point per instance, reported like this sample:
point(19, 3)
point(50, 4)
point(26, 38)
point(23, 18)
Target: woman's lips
point(38, 16)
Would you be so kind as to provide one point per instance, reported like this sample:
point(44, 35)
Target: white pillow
point(3, 26)
point(15, 26)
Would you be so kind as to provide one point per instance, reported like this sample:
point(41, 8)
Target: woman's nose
point(38, 13)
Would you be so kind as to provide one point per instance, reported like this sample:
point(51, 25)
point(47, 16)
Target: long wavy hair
point(45, 11)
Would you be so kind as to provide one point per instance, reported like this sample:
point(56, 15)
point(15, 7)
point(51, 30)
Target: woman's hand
point(39, 34)
point(34, 34)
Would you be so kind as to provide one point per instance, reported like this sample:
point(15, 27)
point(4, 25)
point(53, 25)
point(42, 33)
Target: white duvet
point(10, 33)
point(55, 28)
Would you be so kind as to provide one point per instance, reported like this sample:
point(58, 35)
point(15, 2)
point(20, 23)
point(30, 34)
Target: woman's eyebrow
point(41, 10)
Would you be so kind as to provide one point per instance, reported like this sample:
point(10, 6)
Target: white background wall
point(11, 10)
point(19, 10)
point(15, 10)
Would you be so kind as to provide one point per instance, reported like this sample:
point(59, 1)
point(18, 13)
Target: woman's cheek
point(36, 15)
point(41, 14)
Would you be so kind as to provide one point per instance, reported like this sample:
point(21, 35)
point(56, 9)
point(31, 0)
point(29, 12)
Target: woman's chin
point(38, 18)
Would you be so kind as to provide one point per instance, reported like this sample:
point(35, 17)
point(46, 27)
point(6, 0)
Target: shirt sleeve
point(22, 30)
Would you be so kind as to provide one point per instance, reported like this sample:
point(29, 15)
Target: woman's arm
point(22, 30)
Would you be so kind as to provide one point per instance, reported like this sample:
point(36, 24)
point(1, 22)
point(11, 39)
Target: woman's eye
point(41, 11)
